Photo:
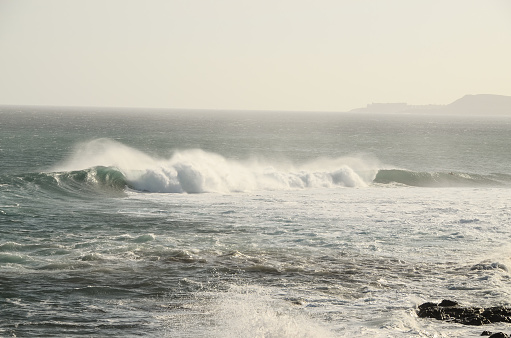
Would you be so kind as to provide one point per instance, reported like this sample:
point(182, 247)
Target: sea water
point(133, 222)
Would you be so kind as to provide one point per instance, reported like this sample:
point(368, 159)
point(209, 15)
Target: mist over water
point(204, 225)
point(196, 171)
point(199, 171)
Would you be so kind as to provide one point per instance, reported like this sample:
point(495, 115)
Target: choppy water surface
point(249, 224)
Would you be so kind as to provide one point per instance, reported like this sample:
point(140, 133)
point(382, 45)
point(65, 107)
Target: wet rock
point(450, 311)
point(495, 335)
point(499, 335)
point(447, 302)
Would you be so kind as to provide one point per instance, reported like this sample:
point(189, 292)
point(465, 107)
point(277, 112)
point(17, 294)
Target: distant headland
point(481, 104)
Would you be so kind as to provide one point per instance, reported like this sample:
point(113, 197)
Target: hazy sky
point(330, 55)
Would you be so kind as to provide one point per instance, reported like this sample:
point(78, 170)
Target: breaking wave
point(106, 166)
point(198, 171)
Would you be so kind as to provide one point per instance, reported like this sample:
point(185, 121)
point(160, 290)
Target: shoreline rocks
point(495, 335)
point(451, 311)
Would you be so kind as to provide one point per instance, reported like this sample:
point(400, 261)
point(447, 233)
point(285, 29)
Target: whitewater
point(249, 224)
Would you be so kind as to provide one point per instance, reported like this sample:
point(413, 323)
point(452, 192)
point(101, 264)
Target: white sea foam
point(252, 311)
point(197, 171)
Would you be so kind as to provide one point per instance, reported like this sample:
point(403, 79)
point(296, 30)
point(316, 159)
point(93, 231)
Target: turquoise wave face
point(103, 180)
point(103, 177)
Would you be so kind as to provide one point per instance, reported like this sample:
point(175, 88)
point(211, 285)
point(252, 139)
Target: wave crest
point(198, 171)
point(199, 176)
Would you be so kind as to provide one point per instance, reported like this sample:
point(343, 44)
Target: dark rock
point(499, 335)
point(447, 302)
point(474, 320)
point(450, 311)
point(486, 333)
point(427, 305)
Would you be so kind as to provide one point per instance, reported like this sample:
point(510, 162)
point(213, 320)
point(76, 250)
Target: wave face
point(439, 179)
point(93, 180)
point(109, 167)
point(198, 171)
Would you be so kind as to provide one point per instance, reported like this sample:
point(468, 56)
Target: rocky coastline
point(449, 310)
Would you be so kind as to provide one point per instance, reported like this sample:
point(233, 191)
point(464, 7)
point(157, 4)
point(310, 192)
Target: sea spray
point(253, 311)
point(198, 171)
point(245, 311)
point(104, 152)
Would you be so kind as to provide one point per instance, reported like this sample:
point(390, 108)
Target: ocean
point(182, 223)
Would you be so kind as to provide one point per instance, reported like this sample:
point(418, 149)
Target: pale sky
point(317, 55)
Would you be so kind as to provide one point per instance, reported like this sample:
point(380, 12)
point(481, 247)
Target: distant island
point(481, 104)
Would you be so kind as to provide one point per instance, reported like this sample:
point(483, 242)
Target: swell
point(187, 178)
point(440, 179)
point(104, 166)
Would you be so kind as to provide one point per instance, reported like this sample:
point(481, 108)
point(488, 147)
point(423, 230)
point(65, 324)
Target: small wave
point(11, 246)
point(144, 238)
point(468, 221)
point(489, 266)
point(12, 258)
point(438, 179)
